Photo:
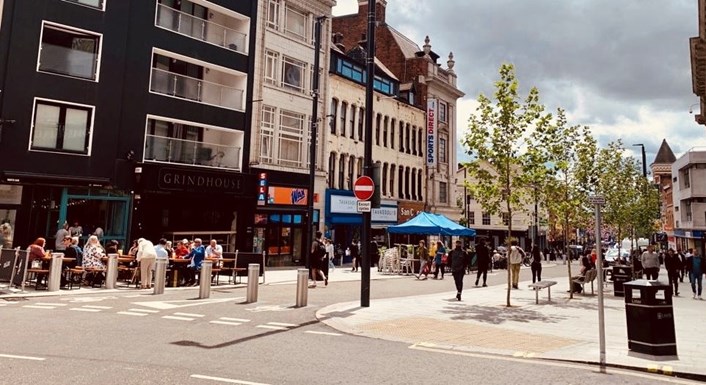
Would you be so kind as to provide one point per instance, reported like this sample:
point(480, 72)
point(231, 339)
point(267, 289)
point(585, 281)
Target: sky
point(621, 67)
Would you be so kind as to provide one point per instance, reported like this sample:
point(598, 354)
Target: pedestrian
point(515, 260)
point(536, 265)
point(650, 263)
point(696, 265)
point(355, 254)
point(483, 261)
point(673, 265)
point(146, 256)
point(682, 263)
point(687, 270)
point(330, 253)
point(459, 261)
point(318, 257)
point(439, 259)
point(422, 253)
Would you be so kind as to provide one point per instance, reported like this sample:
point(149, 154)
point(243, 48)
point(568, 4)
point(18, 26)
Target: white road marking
point(133, 296)
point(50, 304)
point(234, 319)
point(166, 305)
point(225, 323)
point(22, 357)
point(324, 333)
point(178, 318)
point(38, 307)
point(272, 327)
point(84, 309)
point(226, 380)
point(97, 307)
point(190, 315)
point(282, 324)
point(132, 313)
point(144, 311)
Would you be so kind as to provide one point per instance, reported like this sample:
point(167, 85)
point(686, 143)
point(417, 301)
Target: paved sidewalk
point(563, 329)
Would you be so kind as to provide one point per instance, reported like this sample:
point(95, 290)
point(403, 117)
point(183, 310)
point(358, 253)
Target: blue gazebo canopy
point(426, 223)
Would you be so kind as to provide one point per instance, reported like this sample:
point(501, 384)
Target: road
point(127, 338)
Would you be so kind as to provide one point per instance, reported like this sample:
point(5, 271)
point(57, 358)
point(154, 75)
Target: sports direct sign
point(432, 105)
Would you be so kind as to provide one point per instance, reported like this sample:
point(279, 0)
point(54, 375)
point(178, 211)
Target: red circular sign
point(363, 188)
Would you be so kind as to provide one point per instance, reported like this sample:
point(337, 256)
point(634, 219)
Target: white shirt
point(145, 249)
point(330, 250)
point(214, 252)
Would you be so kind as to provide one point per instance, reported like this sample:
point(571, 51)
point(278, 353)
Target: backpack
point(320, 250)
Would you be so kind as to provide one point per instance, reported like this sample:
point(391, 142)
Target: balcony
point(230, 34)
point(198, 90)
point(188, 152)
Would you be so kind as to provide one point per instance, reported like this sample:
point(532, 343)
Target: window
point(406, 138)
point(293, 74)
point(384, 131)
point(414, 140)
point(273, 14)
point(442, 149)
point(687, 181)
point(392, 180)
point(400, 182)
point(384, 179)
point(442, 112)
point(420, 143)
point(267, 134)
point(361, 123)
point(70, 52)
point(344, 110)
point(506, 219)
point(378, 119)
point(350, 70)
point(334, 115)
point(331, 169)
point(471, 217)
point(401, 136)
point(383, 85)
point(61, 127)
point(443, 192)
point(291, 137)
point(98, 4)
point(392, 133)
point(419, 185)
point(353, 111)
point(271, 67)
point(486, 219)
point(351, 170)
point(295, 23)
point(341, 171)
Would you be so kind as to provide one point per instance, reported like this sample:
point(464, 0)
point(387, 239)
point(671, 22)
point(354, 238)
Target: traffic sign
point(596, 200)
point(363, 188)
point(364, 206)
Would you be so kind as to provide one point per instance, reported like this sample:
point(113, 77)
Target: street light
point(644, 161)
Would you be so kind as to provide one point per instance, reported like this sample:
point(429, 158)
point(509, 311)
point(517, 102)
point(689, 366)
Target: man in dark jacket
point(673, 265)
point(459, 261)
point(483, 261)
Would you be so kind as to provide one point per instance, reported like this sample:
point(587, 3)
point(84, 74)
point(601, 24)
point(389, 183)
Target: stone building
point(662, 176)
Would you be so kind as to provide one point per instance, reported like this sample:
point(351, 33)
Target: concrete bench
point(537, 286)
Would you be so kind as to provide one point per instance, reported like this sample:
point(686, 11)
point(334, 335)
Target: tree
point(502, 149)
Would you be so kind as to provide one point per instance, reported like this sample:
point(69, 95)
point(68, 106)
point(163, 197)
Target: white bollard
point(253, 281)
point(302, 287)
point(54, 279)
point(205, 279)
point(160, 276)
point(111, 274)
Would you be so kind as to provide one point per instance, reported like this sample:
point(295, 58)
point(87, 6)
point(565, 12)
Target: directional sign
point(596, 200)
point(364, 188)
point(364, 206)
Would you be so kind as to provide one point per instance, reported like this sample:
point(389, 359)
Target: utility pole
point(644, 161)
point(598, 201)
point(368, 154)
point(312, 145)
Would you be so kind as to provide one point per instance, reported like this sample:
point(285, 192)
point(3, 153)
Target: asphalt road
point(176, 339)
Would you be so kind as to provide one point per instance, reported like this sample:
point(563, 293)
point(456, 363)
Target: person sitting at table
point(111, 247)
point(197, 255)
point(36, 251)
point(169, 249)
point(214, 250)
point(182, 249)
point(133, 249)
point(93, 255)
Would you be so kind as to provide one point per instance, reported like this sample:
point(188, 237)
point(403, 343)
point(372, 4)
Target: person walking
point(650, 263)
point(318, 257)
point(515, 260)
point(673, 265)
point(536, 265)
point(459, 261)
point(355, 254)
point(696, 264)
point(682, 263)
point(330, 254)
point(483, 261)
point(439, 259)
point(422, 254)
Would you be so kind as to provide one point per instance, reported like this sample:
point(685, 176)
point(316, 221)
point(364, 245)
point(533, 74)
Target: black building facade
point(131, 116)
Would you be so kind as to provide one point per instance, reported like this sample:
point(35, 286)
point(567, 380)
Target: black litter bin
point(650, 318)
point(620, 275)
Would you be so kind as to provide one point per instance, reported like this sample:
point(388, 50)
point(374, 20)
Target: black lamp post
point(644, 161)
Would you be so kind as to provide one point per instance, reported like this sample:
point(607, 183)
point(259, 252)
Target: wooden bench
point(588, 278)
point(542, 285)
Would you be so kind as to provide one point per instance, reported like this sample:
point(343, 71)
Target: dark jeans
point(651, 272)
point(483, 272)
point(673, 276)
point(458, 280)
point(696, 282)
point(536, 271)
point(439, 268)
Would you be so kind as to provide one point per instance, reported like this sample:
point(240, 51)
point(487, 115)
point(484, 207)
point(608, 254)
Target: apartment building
point(662, 176)
point(282, 114)
point(396, 142)
point(689, 199)
point(425, 84)
point(128, 115)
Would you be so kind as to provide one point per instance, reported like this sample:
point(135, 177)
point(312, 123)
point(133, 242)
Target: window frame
point(272, 71)
point(443, 149)
point(90, 124)
point(68, 28)
point(286, 60)
point(300, 139)
point(78, 2)
point(273, 17)
point(334, 116)
point(268, 129)
point(292, 33)
point(471, 217)
point(443, 112)
point(485, 219)
point(443, 198)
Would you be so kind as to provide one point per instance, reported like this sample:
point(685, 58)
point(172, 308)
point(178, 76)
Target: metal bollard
point(205, 279)
point(160, 276)
point(111, 274)
point(54, 280)
point(253, 281)
point(302, 287)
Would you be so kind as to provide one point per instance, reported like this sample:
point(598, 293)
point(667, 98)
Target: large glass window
point(61, 127)
point(350, 70)
point(70, 52)
point(295, 23)
point(293, 73)
point(291, 136)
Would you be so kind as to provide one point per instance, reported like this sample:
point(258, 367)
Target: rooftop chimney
point(338, 41)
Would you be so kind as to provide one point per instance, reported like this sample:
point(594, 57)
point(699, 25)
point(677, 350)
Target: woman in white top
point(330, 253)
point(93, 253)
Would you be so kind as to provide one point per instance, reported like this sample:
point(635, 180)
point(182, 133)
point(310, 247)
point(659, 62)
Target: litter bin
point(620, 275)
point(650, 318)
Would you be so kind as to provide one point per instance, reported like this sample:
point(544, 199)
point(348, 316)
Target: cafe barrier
point(205, 279)
point(253, 280)
point(302, 287)
point(111, 274)
point(54, 283)
point(160, 276)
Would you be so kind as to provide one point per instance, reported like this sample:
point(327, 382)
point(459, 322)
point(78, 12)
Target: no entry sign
point(363, 188)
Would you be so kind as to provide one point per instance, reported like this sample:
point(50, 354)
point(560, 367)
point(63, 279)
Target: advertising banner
point(432, 105)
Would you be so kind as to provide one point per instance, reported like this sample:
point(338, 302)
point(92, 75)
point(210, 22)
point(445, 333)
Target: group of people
point(90, 257)
point(677, 264)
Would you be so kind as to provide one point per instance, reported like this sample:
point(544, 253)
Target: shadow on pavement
point(497, 315)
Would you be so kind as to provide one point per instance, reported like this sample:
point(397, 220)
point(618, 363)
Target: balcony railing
point(200, 29)
point(181, 151)
point(185, 87)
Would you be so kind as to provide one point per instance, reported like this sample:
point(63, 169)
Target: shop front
point(690, 239)
point(188, 202)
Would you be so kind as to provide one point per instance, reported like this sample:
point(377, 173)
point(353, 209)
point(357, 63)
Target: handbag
point(444, 259)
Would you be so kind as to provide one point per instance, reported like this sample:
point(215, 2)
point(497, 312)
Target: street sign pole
point(599, 201)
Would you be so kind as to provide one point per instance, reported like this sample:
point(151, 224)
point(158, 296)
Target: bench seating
point(588, 278)
point(537, 286)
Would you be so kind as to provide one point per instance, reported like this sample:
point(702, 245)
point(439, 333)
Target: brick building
point(662, 175)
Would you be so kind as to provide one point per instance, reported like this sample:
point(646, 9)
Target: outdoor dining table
point(179, 266)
